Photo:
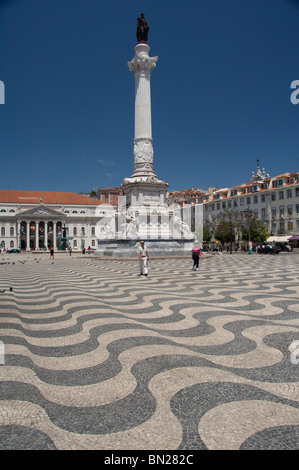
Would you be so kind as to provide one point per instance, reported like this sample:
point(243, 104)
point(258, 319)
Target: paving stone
point(97, 357)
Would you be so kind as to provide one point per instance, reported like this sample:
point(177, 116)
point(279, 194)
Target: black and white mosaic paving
point(97, 357)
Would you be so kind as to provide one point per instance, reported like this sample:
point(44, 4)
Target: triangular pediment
point(41, 211)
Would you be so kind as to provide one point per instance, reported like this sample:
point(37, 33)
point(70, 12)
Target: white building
point(37, 220)
point(274, 200)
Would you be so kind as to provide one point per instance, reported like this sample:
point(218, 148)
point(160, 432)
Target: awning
point(278, 239)
point(294, 237)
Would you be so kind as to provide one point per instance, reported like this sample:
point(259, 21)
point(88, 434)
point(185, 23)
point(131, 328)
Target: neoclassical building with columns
point(37, 220)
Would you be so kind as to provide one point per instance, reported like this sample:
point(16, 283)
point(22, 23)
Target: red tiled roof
point(33, 197)
point(283, 175)
point(109, 189)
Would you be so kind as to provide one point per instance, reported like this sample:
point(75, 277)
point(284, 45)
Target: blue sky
point(220, 91)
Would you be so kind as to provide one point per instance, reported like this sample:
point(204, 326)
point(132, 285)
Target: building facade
point(108, 195)
point(274, 200)
point(37, 220)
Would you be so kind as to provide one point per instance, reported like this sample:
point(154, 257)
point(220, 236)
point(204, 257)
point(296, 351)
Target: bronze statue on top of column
point(142, 29)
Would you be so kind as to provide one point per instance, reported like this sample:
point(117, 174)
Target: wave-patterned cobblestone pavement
point(97, 357)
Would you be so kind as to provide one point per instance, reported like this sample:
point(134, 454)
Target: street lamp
point(248, 213)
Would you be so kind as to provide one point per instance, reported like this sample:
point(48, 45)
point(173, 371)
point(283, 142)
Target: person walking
point(196, 253)
point(143, 258)
point(52, 252)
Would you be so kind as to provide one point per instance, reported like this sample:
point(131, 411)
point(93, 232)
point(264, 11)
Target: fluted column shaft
point(142, 66)
point(143, 113)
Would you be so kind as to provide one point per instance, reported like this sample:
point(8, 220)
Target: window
point(75, 243)
point(290, 210)
point(297, 208)
point(255, 199)
point(2, 231)
point(263, 198)
point(242, 201)
point(11, 231)
point(75, 231)
point(273, 211)
point(297, 192)
point(263, 213)
point(280, 182)
point(280, 195)
point(248, 200)
point(289, 193)
point(11, 244)
point(273, 196)
point(93, 231)
point(223, 205)
point(82, 230)
point(93, 243)
point(218, 206)
point(290, 225)
point(281, 210)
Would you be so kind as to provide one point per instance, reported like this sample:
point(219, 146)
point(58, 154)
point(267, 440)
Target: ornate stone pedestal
point(128, 248)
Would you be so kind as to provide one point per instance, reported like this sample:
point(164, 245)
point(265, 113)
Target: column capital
point(141, 61)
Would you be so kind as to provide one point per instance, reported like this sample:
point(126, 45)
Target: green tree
point(207, 234)
point(229, 222)
point(258, 232)
point(210, 226)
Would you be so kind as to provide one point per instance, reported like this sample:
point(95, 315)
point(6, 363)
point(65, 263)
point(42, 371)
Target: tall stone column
point(143, 212)
point(144, 193)
point(46, 234)
point(142, 66)
point(54, 235)
point(27, 236)
point(19, 235)
point(36, 236)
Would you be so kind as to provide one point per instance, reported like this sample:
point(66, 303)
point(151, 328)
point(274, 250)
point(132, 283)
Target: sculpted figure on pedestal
point(142, 29)
point(181, 228)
